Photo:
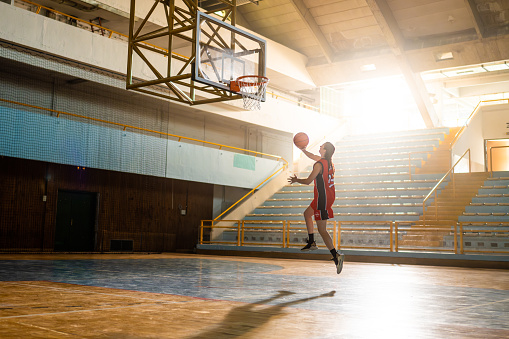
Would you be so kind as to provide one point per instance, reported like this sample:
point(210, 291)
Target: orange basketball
point(301, 140)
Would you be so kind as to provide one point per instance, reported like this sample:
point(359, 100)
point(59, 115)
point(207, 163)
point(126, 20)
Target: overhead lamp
point(368, 67)
point(444, 56)
point(496, 67)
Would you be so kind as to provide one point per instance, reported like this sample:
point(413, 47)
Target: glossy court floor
point(197, 296)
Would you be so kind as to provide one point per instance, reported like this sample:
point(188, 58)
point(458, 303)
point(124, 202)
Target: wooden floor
point(198, 296)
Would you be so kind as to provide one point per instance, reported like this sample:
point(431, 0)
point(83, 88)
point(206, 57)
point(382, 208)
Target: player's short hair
point(329, 150)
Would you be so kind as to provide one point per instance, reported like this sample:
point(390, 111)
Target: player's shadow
point(243, 319)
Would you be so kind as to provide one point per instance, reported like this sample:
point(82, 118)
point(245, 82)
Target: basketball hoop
point(252, 88)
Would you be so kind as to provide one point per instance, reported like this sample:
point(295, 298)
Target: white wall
point(490, 122)
point(43, 137)
point(47, 35)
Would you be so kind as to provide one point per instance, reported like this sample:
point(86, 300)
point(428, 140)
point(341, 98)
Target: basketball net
point(252, 88)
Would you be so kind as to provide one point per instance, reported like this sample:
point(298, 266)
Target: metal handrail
point(429, 152)
point(180, 138)
point(125, 126)
point(410, 161)
point(111, 32)
point(397, 230)
point(434, 190)
point(479, 230)
point(364, 229)
point(470, 117)
point(163, 50)
point(394, 229)
point(254, 189)
point(278, 228)
point(491, 158)
point(334, 230)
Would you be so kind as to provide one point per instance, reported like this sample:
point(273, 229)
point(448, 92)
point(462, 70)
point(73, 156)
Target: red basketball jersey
point(324, 192)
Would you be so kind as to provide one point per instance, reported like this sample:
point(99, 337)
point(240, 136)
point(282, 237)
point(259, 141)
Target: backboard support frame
point(180, 78)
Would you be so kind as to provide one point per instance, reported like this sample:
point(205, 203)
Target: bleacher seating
point(375, 186)
point(374, 183)
point(485, 222)
point(491, 204)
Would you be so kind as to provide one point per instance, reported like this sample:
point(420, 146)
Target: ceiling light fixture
point(444, 56)
point(369, 67)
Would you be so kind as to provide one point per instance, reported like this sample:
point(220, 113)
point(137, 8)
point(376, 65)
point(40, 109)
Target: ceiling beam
point(476, 18)
point(310, 22)
point(395, 39)
point(388, 24)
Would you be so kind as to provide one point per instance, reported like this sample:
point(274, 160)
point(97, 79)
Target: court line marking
point(78, 311)
point(474, 306)
point(94, 292)
point(48, 329)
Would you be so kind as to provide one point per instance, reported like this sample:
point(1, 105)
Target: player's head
point(329, 150)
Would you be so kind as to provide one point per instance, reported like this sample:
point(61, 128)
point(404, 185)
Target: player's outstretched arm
point(309, 179)
point(310, 155)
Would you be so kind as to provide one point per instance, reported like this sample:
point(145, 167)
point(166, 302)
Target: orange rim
point(263, 80)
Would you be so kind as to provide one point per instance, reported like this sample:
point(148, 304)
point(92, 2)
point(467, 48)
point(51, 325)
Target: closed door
point(75, 224)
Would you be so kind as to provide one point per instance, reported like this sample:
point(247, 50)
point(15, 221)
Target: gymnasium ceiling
point(457, 43)
point(351, 40)
point(343, 37)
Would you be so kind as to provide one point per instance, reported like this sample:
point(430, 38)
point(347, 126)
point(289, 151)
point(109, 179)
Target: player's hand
point(293, 179)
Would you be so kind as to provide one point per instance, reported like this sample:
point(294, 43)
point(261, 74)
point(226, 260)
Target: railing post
point(288, 233)
point(456, 238)
point(424, 213)
point(491, 162)
point(238, 230)
point(390, 236)
point(284, 234)
point(396, 236)
point(201, 232)
point(461, 238)
point(469, 162)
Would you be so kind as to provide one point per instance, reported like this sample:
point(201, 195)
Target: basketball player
point(324, 196)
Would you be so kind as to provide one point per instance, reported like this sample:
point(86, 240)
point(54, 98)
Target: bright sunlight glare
point(381, 105)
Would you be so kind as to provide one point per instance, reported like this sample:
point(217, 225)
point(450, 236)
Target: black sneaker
point(339, 262)
point(310, 246)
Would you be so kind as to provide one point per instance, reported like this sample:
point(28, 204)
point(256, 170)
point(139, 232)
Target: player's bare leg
point(336, 256)
point(322, 229)
point(308, 218)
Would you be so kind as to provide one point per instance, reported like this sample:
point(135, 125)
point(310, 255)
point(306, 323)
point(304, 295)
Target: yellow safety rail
point(214, 224)
point(281, 169)
point(434, 190)
point(303, 229)
point(110, 31)
point(179, 137)
point(164, 50)
point(398, 229)
point(393, 228)
point(410, 160)
point(479, 231)
point(471, 116)
point(366, 230)
point(264, 226)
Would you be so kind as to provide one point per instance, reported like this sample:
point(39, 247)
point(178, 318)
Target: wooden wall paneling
point(137, 207)
point(22, 208)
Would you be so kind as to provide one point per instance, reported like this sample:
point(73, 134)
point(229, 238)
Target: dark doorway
point(75, 226)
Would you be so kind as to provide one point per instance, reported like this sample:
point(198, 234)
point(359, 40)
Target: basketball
point(301, 140)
